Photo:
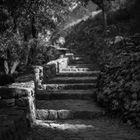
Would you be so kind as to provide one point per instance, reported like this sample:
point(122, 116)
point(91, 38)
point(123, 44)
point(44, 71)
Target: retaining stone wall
point(17, 111)
point(49, 70)
point(17, 107)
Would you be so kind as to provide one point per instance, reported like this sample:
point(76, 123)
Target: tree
point(21, 23)
point(104, 5)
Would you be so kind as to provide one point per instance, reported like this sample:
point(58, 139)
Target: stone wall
point(17, 111)
point(17, 107)
point(49, 70)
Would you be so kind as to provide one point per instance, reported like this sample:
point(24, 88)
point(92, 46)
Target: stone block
point(49, 71)
point(38, 71)
point(42, 114)
point(7, 102)
point(17, 111)
point(11, 113)
point(22, 102)
point(64, 114)
point(8, 93)
point(52, 115)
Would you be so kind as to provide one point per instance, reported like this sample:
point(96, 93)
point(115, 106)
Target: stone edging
point(17, 111)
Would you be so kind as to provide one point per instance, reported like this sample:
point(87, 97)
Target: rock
point(135, 86)
point(129, 122)
point(22, 102)
point(42, 114)
point(52, 115)
point(134, 96)
point(64, 114)
point(118, 39)
point(6, 79)
point(7, 102)
point(133, 105)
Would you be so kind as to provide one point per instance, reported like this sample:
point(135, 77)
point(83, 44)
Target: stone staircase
point(66, 109)
point(71, 93)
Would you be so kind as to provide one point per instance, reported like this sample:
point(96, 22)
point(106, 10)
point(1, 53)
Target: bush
point(119, 83)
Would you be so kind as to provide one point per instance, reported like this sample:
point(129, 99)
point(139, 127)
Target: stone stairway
point(66, 109)
point(71, 93)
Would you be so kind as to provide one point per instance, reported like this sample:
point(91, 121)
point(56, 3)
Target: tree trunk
point(105, 8)
point(6, 67)
point(34, 31)
point(105, 18)
point(7, 64)
point(13, 68)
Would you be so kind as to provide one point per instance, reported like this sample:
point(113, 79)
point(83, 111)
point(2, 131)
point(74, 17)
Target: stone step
point(79, 62)
point(72, 57)
point(83, 66)
point(58, 87)
point(67, 109)
point(65, 94)
point(69, 69)
point(78, 69)
point(78, 58)
point(97, 129)
point(79, 55)
point(63, 50)
point(69, 54)
point(73, 80)
point(77, 74)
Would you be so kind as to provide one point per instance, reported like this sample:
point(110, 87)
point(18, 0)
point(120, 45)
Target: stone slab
point(77, 74)
point(72, 86)
point(65, 94)
point(12, 92)
point(98, 129)
point(78, 105)
point(73, 80)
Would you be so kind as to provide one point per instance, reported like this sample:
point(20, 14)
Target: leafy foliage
point(119, 83)
point(26, 29)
